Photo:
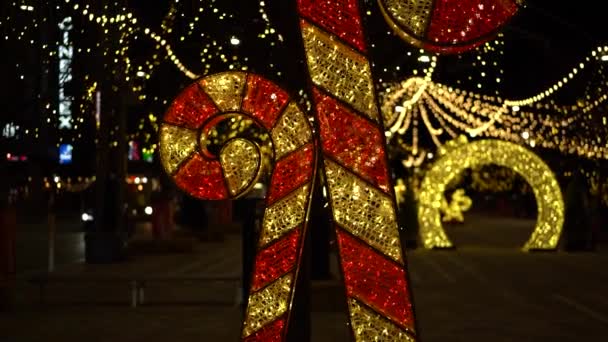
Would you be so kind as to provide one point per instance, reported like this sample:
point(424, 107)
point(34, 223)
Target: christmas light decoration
point(455, 111)
point(467, 155)
point(355, 166)
point(210, 48)
point(596, 54)
point(446, 26)
point(196, 170)
point(352, 144)
point(447, 111)
point(356, 170)
point(458, 204)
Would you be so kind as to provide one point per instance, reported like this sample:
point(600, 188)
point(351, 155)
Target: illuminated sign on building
point(134, 151)
point(65, 154)
point(148, 155)
point(10, 130)
point(66, 53)
point(97, 108)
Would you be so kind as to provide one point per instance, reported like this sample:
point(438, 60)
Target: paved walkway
point(474, 293)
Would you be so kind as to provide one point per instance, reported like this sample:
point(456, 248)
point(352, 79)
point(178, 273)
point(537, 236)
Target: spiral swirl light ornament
point(447, 26)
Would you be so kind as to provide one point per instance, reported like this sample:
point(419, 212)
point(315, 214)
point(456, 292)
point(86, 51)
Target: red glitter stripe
point(203, 178)
point(340, 17)
point(272, 332)
point(191, 108)
point(352, 140)
point(291, 172)
point(458, 22)
point(275, 260)
point(454, 49)
point(264, 100)
point(375, 280)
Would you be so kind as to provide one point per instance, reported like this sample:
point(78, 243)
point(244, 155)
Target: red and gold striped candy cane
point(356, 169)
point(183, 137)
point(353, 145)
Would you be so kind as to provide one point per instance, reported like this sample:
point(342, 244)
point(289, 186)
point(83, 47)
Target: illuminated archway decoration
point(548, 195)
point(447, 26)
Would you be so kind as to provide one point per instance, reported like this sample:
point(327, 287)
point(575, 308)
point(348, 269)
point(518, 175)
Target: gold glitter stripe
point(240, 160)
point(291, 131)
point(363, 210)
point(368, 325)
point(268, 304)
point(176, 145)
point(225, 89)
point(412, 14)
point(284, 215)
point(340, 70)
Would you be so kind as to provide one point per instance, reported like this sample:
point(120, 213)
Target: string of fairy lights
point(601, 53)
point(210, 48)
point(533, 121)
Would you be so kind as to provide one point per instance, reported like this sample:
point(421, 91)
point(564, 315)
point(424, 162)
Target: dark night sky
point(547, 38)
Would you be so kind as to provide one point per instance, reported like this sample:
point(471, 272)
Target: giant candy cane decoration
point(183, 137)
point(357, 176)
point(352, 145)
point(356, 169)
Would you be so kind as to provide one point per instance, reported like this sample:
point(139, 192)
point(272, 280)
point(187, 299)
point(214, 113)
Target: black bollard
point(250, 212)
point(300, 320)
point(319, 226)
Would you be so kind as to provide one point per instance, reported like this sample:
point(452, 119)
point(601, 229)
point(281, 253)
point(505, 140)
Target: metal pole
point(52, 231)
